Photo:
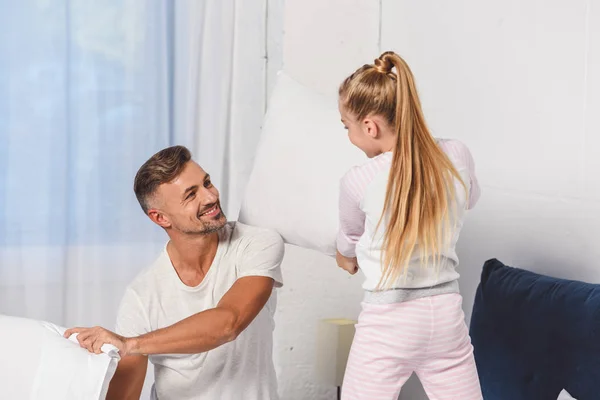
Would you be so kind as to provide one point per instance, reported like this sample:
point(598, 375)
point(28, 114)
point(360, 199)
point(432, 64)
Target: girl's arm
point(352, 218)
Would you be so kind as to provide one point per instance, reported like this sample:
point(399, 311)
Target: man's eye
point(207, 184)
point(191, 195)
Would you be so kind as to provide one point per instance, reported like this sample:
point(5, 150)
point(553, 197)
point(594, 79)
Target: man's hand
point(92, 339)
point(346, 263)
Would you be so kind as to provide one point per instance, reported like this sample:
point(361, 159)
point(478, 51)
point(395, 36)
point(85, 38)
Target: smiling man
point(202, 313)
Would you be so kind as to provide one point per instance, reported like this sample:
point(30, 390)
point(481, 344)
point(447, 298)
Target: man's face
point(189, 204)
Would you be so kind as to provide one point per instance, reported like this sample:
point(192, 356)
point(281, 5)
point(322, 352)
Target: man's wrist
point(132, 346)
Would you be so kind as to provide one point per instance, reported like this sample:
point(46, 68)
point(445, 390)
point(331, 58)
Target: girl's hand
point(348, 264)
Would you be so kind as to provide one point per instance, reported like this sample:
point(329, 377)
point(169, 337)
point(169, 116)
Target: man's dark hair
point(163, 167)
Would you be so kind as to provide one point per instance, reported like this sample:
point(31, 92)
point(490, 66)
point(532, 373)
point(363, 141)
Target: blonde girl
point(400, 217)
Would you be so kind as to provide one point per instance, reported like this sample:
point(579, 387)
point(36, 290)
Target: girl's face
point(363, 134)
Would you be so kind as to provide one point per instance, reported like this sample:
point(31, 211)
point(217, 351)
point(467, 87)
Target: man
point(202, 312)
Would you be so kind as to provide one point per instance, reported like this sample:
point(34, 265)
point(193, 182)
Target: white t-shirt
point(242, 369)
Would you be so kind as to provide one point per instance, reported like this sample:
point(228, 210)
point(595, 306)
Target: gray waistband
point(400, 295)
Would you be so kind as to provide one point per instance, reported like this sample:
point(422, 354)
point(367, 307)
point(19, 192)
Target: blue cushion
point(534, 335)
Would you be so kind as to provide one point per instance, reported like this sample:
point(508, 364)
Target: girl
point(400, 217)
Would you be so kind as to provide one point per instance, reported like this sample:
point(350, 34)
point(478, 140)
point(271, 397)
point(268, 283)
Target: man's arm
point(128, 381)
point(196, 334)
point(259, 271)
point(211, 328)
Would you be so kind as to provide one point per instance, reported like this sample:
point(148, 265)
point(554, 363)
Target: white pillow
point(303, 153)
point(564, 395)
point(39, 363)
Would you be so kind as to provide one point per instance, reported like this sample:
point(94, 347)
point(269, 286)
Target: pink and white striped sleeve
point(352, 190)
point(461, 152)
point(352, 218)
point(475, 190)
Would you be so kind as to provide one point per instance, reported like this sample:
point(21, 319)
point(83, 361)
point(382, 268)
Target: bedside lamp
point(334, 338)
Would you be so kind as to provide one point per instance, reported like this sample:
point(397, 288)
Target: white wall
point(519, 82)
point(325, 41)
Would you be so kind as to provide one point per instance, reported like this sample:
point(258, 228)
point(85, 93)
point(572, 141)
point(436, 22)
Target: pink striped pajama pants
point(427, 336)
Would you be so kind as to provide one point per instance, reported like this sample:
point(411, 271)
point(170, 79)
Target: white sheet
point(38, 363)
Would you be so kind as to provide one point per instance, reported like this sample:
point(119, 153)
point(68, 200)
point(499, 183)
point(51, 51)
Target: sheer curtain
point(220, 80)
point(88, 91)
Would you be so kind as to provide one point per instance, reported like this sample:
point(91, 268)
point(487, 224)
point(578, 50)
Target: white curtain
point(88, 91)
point(219, 87)
point(84, 100)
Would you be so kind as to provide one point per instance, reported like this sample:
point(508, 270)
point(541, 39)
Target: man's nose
point(210, 196)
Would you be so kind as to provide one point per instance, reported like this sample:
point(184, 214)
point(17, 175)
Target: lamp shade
point(334, 338)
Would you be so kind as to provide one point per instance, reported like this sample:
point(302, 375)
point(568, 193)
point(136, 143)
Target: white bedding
point(39, 363)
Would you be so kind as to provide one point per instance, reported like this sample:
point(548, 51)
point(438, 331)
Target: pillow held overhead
point(303, 153)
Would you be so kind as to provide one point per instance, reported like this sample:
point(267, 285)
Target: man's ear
point(370, 128)
point(159, 218)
